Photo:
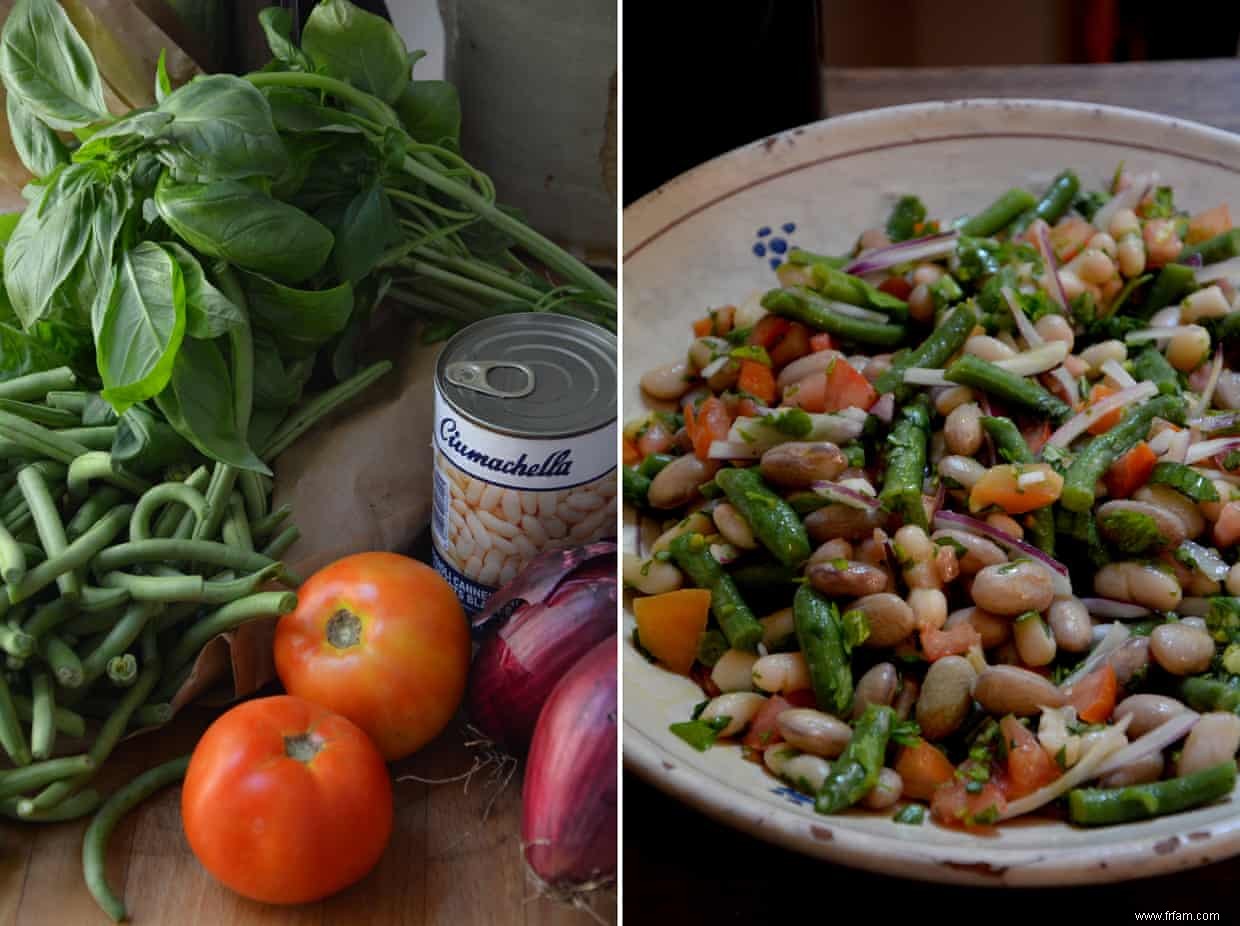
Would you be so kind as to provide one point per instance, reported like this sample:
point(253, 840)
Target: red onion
point(1078, 424)
point(571, 793)
point(931, 247)
point(884, 409)
point(1211, 448)
point(1223, 270)
point(952, 519)
point(1120, 610)
point(1043, 239)
point(557, 617)
point(1156, 740)
point(845, 496)
point(1023, 325)
point(1211, 423)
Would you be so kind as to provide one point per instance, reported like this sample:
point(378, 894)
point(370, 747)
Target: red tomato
point(1099, 392)
point(1029, 767)
point(896, 286)
point(846, 388)
point(631, 454)
point(1094, 695)
point(757, 380)
point(803, 698)
point(953, 805)
point(820, 341)
point(768, 330)
point(762, 729)
point(1131, 471)
point(656, 437)
point(952, 642)
point(792, 346)
point(708, 424)
point(703, 326)
point(286, 802)
point(381, 639)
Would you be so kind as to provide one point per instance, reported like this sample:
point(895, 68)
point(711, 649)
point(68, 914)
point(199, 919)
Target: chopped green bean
point(1185, 480)
point(68, 400)
point(217, 496)
point(855, 772)
point(12, 558)
point(156, 588)
point(40, 414)
point(72, 808)
point(821, 636)
point(236, 528)
point(157, 551)
point(49, 526)
point(971, 370)
point(255, 495)
point(999, 214)
point(42, 721)
point(119, 639)
point(12, 738)
point(265, 527)
point(62, 660)
point(166, 493)
point(303, 418)
point(1150, 364)
point(123, 670)
point(37, 385)
point(1213, 250)
point(97, 465)
point(282, 542)
point(1053, 205)
point(808, 307)
point(68, 722)
point(906, 464)
point(933, 352)
point(16, 642)
point(40, 440)
point(838, 286)
point(736, 620)
point(101, 501)
point(40, 774)
point(1173, 283)
point(1107, 806)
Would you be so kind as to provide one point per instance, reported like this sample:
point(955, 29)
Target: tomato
point(1094, 695)
point(792, 346)
point(631, 454)
point(1099, 392)
point(286, 802)
point(897, 286)
point(768, 330)
point(757, 380)
point(1131, 471)
point(1205, 225)
point(711, 422)
point(923, 769)
point(955, 641)
point(1029, 766)
point(953, 805)
point(703, 326)
point(820, 341)
point(763, 731)
point(846, 388)
point(1007, 486)
point(381, 639)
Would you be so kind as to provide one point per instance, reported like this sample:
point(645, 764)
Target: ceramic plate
point(708, 239)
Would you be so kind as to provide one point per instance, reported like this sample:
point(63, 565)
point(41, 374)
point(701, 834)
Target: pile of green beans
point(113, 582)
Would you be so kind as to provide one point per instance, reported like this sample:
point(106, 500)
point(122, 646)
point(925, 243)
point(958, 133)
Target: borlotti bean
point(525, 447)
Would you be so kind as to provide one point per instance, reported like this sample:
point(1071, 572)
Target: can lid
point(531, 374)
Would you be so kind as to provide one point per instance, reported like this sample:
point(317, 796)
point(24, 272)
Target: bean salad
point(949, 523)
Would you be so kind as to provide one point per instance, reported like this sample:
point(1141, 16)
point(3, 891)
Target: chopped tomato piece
point(953, 805)
point(846, 388)
point(631, 454)
point(1131, 471)
point(1017, 488)
point(708, 424)
point(809, 393)
point(821, 341)
point(758, 380)
point(1069, 237)
point(746, 407)
point(923, 768)
point(762, 729)
point(954, 641)
point(802, 698)
point(1094, 695)
point(1206, 225)
point(896, 286)
point(703, 326)
point(1111, 418)
point(768, 330)
point(1029, 766)
point(669, 625)
point(792, 346)
point(656, 437)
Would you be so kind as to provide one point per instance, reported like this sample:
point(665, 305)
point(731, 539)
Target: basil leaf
point(141, 327)
point(145, 443)
point(301, 320)
point(198, 402)
point(431, 112)
point(362, 48)
point(124, 136)
point(163, 84)
point(45, 63)
point(208, 312)
point(40, 149)
point(277, 25)
point(243, 226)
point(276, 386)
point(8, 222)
point(297, 110)
point(367, 297)
point(222, 130)
point(368, 227)
point(22, 353)
point(90, 283)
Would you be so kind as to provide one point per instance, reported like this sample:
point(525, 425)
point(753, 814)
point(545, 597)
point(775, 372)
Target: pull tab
point(472, 374)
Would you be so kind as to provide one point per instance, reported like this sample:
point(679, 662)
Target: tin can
point(525, 447)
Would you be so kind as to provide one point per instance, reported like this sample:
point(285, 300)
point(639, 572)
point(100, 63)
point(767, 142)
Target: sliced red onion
point(1166, 318)
point(1040, 359)
point(1205, 449)
point(1208, 562)
point(854, 311)
point(1110, 741)
point(931, 247)
point(885, 408)
point(1161, 442)
point(1157, 334)
point(1041, 234)
point(1194, 260)
point(925, 376)
point(1224, 270)
point(1155, 741)
point(1023, 325)
point(714, 366)
point(1068, 382)
point(1178, 446)
point(845, 495)
point(805, 366)
point(1127, 198)
point(733, 450)
point(1210, 423)
point(1207, 394)
point(1120, 610)
point(1121, 376)
point(1116, 637)
point(957, 521)
point(1078, 424)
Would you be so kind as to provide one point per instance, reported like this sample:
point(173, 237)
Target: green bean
point(72, 808)
point(16, 642)
point(1151, 365)
point(62, 660)
point(95, 843)
point(765, 575)
point(839, 286)
point(1207, 694)
point(1185, 480)
point(255, 495)
point(263, 528)
point(1053, 205)
point(1213, 250)
point(158, 551)
point(68, 400)
point(855, 772)
point(303, 418)
point(933, 352)
point(165, 493)
point(999, 214)
point(19, 521)
point(12, 558)
point(123, 670)
point(12, 738)
point(37, 385)
point(40, 414)
point(736, 620)
point(75, 556)
point(226, 618)
point(99, 437)
point(219, 591)
point(68, 722)
point(42, 721)
point(1090, 464)
point(821, 635)
point(282, 542)
point(654, 463)
point(236, 528)
point(40, 440)
point(1010, 446)
point(156, 588)
point(636, 487)
point(49, 526)
point(806, 306)
point(103, 500)
point(1106, 806)
point(39, 774)
point(973, 371)
point(178, 611)
point(802, 257)
point(171, 517)
point(95, 600)
point(218, 494)
point(906, 464)
point(98, 465)
point(122, 636)
point(1173, 283)
point(773, 522)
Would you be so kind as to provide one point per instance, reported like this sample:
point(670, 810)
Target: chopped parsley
point(754, 352)
point(700, 734)
point(856, 628)
point(1087, 204)
point(906, 733)
point(1132, 532)
point(908, 213)
point(794, 422)
point(911, 814)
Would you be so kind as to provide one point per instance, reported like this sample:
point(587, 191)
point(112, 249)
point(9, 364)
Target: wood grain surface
point(445, 864)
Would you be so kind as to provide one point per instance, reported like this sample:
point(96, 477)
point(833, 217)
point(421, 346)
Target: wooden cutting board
point(445, 863)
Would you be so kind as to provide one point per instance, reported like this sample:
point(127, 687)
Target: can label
point(500, 500)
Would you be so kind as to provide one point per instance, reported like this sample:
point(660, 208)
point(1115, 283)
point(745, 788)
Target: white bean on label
point(493, 532)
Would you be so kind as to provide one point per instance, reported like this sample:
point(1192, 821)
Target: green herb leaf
point(45, 63)
point(300, 320)
point(755, 352)
point(277, 24)
point(345, 41)
point(910, 814)
point(431, 113)
point(222, 129)
point(163, 84)
point(700, 734)
point(906, 215)
point(368, 227)
point(39, 148)
point(208, 312)
point(1133, 532)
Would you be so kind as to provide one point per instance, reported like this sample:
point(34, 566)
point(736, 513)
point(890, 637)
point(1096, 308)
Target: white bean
point(534, 530)
point(813, 731)
point(481, 537)
point(740, 706)
point(886, 790)
point(781, 672)
point(546, 504)
point(1214, 740)
point(498, 525)
point(556, 529)
point(529, 503)
point(512, 506)
point(650, 577)
point(734, 671)
point(807, 772)
point(473, 494)
point(491, 497)
point(777, 627)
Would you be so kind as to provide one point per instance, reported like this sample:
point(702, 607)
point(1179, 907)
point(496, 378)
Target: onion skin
point(537, 581)
point(569, 803)
point(516, 668)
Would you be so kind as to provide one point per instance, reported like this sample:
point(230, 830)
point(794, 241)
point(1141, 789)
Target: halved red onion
point(845, 495)
point(1156, 740)
point(1116, 637)
point(1203, 450)
point(1158, 334)
point(885, 408)
point(1079, 423)
point(1042, 236)
point(957, 521)
point(1023, 325)
point(724, 553)
point(1224, 270)
point(1195, 261)
point(854, 311)
point(1120, 610)
point(931, 247)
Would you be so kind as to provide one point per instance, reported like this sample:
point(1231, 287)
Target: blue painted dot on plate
point(775, 262)
point(789, 227)
point(795, 797)
point(764, 231)
point(760, 249)
point(779, 245)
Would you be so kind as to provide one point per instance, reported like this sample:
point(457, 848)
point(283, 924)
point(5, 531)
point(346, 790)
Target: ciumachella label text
point(538, 464)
